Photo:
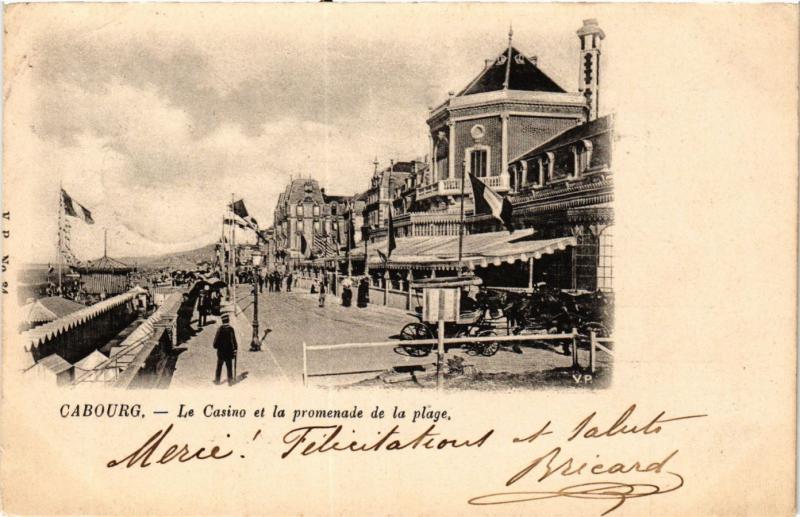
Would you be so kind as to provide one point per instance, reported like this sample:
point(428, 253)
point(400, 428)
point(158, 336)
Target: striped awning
point(479, 250)
point(46, 332)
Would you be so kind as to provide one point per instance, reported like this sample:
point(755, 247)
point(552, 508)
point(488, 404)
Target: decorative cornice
point(554, 206)
point(591, 215)
point(519, 96)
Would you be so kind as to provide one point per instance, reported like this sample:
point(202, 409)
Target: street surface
point(289, 319)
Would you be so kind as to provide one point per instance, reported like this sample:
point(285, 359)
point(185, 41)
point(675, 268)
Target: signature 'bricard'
point(325, 438)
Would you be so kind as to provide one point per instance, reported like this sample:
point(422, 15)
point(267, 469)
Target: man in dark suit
point(225, 343)
point(203, 306)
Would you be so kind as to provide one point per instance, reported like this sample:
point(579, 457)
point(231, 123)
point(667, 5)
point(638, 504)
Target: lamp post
point(255, 344)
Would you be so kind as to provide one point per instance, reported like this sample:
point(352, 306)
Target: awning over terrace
point(480, 250)
point(43, 333)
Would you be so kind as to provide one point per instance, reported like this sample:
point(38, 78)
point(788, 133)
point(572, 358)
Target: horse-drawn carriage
point(475, 319)
point(475, 323)
point(495, 311)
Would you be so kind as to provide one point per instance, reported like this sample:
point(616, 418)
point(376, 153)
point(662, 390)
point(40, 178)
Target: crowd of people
point(72, 290)
point(206, 296)
point(75, 291)
point(274, 281)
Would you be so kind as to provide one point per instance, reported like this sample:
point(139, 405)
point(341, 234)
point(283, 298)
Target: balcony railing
point(499, 183)
point(452, 186)
point(445, 187)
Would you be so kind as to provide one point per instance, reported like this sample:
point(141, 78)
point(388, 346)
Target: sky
point(152, 116)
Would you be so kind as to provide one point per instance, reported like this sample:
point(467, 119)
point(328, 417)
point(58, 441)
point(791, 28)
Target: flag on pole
point(74, 209)
point(303, 245)
point(392, 244)
point(351, 232)
point(240, 210)
point(321, 245)
point(232, 218)
point(487, 201)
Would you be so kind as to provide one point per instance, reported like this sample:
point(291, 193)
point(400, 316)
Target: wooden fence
point(572, 336)
point(596, 343)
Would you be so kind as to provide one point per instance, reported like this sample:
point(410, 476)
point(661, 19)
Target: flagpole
point(366, 257)
point(60, 229)
point(233, 258)
point(349, 231)
point(389, 228)
point(461, 218)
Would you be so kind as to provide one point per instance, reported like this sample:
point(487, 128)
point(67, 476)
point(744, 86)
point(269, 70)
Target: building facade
point(508, 108)
point(385, 186)
point(524, 136)
point(565, 187)
point(307, 221)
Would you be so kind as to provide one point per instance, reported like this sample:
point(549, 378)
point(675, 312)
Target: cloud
point(153, 125)
point(300, 82)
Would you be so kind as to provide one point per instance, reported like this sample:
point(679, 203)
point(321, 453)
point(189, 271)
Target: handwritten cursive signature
point(556, 463)
point(595, 490)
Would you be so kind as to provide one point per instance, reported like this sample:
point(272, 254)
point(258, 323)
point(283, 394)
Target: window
point(533, 172)
point(478, 163)
point(316, 210)
point(478, 158)
point(540, 172)
point(299, 210)
point(605, 264)
point(300, 226)
point(564, 166)
point(441, 158)
point(316, 226)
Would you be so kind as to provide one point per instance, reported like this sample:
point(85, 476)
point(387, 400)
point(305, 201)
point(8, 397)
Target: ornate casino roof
point(515, 73)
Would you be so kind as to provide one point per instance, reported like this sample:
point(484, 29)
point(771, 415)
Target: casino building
point(543, 148)
point(510, 107)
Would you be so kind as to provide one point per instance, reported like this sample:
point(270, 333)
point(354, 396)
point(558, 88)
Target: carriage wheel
point(490, 348)
point(416, 331)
